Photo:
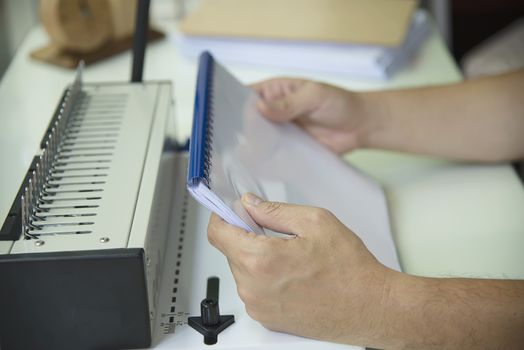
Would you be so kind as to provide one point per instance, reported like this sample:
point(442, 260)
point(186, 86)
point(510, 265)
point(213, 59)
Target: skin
point(323, 283)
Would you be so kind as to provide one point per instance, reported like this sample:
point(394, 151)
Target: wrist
point(405, 311)
point(372, 327)
point(389, 310)
point(376, 119)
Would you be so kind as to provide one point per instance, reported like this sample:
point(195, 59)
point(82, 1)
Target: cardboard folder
point(375, 22)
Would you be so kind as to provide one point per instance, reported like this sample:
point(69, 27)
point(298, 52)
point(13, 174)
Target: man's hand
point(478, 120)
point(335, 117)
point(323, 283)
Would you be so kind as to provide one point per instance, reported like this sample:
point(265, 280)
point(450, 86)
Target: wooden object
point(59, 56)
point(88, 30)
point(377, 22)
point(77, 25)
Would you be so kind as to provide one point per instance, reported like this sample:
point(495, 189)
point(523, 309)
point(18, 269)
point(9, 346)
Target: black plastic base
point(80, 300)
point(210, 333)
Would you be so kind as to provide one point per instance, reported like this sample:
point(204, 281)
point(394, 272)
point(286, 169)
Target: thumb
point(276, 216)
point(293, 105)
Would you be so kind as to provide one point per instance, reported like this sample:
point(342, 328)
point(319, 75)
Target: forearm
point(427, 313)
point(479, 120)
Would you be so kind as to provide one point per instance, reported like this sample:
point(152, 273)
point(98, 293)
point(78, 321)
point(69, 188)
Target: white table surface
point(449, 219)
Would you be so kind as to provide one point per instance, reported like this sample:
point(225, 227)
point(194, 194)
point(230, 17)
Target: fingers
point(283, 100)
point(233, 241)
point(277, 87)
point(224, 236)
point(285, 218)
point(291, 106)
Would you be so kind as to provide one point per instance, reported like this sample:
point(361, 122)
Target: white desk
point(448, 218)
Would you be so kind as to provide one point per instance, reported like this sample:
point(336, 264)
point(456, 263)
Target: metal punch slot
point(46, 224)
point(91, 136)
point(62, 183)
point(49, 201)
point(62, 161)
point(46, 215)
point(91, 161)
point(99, 113)
point(82, 148)
point(86, 156)
point(91, 129)
point(78, 188)
point(94, 99)
point(92, 108)
point(73, 188)
point(53, 193)
point(89, 108)
point(47, 207)
point(109, 95)
point(108, 116)
point(90, 123)
point(39, 233)
point(77, 177)
point(46, 200)
point(71, 212)
point(68, 170)
point(89, 103)
point(88, 142)
point(65, 161)
point(60, 177)
point(69, 194)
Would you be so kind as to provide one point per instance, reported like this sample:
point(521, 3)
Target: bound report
point(233, 150)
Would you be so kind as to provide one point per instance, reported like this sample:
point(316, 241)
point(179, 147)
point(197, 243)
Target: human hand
point(323, 283)
point(335, 117)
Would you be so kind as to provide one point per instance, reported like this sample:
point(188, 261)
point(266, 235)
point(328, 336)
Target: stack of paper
point(360, 38)
point(234, 150)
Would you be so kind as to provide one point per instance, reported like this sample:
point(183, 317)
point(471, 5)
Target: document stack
point(234, 150)
point(352, 38)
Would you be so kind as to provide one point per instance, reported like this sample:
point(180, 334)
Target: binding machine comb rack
point(91, 139)
point(50, 202)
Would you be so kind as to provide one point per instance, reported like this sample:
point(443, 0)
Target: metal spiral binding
point(209, 129)
point(37, 185)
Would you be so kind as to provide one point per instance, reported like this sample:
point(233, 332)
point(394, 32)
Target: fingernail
point(251, 199)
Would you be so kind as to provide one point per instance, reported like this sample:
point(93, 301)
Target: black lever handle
point(213, 284)
point(210, 323)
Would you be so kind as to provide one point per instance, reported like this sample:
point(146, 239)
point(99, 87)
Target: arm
point(479, 120)
point(454, 313)
point(325, 284)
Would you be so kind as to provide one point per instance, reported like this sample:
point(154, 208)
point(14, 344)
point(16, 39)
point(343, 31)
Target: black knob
point(209, 312)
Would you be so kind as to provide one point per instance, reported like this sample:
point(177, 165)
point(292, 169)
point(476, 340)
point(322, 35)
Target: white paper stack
point(352, 60)
point(234, 150)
